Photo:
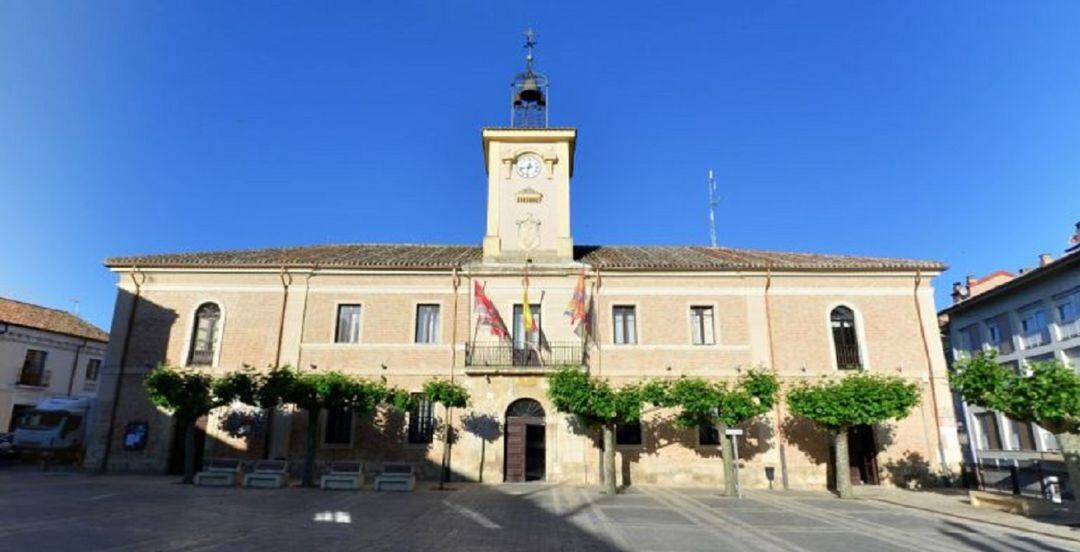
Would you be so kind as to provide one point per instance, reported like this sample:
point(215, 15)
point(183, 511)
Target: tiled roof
point(618, 257)
point(1065, 262)
point(18, 313)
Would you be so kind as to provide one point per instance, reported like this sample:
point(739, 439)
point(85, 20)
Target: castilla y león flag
point(576, 308)
point(487, 314)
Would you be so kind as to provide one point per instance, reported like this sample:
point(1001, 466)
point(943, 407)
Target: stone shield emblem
point(528, 232)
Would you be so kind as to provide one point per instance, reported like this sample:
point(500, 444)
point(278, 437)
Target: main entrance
point(525, 455)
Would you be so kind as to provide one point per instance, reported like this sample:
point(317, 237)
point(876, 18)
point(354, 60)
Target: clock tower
point(529, 166)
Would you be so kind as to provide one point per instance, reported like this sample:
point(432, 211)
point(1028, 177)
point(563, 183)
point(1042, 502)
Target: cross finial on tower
point(530, 41)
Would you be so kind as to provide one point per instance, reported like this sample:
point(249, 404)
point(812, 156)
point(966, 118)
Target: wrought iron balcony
point(34, 378)
point(507, 355)
point(847, 357)
point(201, 358)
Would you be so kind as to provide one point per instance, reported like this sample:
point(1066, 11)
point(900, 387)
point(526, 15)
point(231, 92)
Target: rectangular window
point(1023, 435)
point(701, 326)
point(338, 427)
point(708, 434)
point(993, 334)
point(348, 324)
point(628, 434)
point(989, 436)
point(93, 368)
point(624, 319)
point(33, 369)
point(421, 420)
point(427, 323)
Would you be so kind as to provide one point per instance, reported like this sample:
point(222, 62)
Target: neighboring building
point(406, 313)
point(1030, 317)
point(45, 352)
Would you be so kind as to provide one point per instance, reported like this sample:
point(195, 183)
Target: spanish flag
point(526, 309)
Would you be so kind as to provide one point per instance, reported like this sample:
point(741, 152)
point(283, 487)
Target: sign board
point(734, 432)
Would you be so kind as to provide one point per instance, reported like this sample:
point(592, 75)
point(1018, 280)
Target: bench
point(343, 476)
point(268, 474)
point(219, 472)
point(396, 478)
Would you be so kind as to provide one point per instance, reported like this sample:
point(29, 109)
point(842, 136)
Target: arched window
point(204, 337)
point(845, 339)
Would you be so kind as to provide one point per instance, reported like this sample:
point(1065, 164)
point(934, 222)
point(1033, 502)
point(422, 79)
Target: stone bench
point(268, 474)
point(219, 472)
point(343, 476)
point(396, 478)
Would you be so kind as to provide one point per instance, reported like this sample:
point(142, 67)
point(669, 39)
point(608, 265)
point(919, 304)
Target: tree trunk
point(268, 431)
point(1070, 449)
point(727, 452)
point(444, 473)
point(189, 452)
point(609, 459)
point(842, 464)
point(309, 454)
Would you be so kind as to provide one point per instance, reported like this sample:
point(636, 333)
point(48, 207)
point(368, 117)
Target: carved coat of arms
point(528, 232)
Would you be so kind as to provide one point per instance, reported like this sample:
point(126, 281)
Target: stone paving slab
point(111, 513)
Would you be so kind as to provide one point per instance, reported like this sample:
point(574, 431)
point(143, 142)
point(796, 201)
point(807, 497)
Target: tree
point(450, 395)
point(188, 395)
point(314, 392)
point(836, 405)
point(1048, 394)
point(701, 402)
point(597, 404)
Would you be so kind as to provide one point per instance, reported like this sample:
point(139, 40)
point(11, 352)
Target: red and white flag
point(487, 314)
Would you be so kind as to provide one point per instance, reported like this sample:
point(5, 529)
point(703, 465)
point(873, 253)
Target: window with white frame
point(205, 335)
point(427, 323)
point(348, 324)
point(1068, 311)
point(701, 326)
point(624, 319)
point(993, 334)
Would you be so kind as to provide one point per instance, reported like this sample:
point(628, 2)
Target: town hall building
point(408, 313)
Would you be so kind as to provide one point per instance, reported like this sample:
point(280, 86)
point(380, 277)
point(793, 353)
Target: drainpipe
point(137, 278)
point(455, 281)
point(286, 281)
point(930, 368)
point(776, 372)
point(75, 366)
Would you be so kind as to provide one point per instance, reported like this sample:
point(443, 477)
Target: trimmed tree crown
point(593, 399)
point(1048, 394)
point(855, 399)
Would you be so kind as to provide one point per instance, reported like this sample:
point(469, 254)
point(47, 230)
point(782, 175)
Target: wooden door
point(515, 450)
point(862, 453)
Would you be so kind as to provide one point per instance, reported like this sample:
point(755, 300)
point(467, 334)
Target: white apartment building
point(45, 352)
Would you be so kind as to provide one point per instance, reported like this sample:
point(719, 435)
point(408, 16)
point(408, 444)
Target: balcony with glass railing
point(1069, 330)
point(1035, 339)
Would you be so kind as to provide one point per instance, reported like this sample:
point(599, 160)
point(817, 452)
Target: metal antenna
point(714, 200)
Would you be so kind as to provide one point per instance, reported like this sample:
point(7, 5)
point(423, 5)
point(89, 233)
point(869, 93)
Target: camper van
point(55, 425)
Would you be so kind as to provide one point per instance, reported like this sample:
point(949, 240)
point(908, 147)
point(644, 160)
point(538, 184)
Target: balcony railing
point(201, 358)
point(847, 357)
point(1070, 330)
point(500, 355)
point(1035, 339)
point(34, 378)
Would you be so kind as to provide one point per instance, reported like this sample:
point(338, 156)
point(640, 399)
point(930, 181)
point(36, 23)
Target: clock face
point(528, 166)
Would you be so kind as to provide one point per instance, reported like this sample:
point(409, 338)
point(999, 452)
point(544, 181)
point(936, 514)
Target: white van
point(56, 424)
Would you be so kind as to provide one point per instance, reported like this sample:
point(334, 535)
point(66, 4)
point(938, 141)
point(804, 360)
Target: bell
point(530, 93)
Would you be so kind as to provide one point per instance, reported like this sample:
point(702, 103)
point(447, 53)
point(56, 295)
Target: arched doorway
point(524, 454)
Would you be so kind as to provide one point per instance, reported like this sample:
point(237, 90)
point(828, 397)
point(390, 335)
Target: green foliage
point(855, 399)
point(1049, 395)
point(446, 393)
point(704, 402)
point(275, 385)
point(593, 399)
point(315, 391)
point(187, 394)
point(239, 386)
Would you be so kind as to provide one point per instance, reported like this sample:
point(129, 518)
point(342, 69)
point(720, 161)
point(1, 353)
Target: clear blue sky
point(941, 130)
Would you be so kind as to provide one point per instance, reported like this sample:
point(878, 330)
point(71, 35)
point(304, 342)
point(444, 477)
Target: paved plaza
point(72, 511)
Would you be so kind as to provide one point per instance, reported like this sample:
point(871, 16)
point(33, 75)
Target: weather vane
point(530, 41)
